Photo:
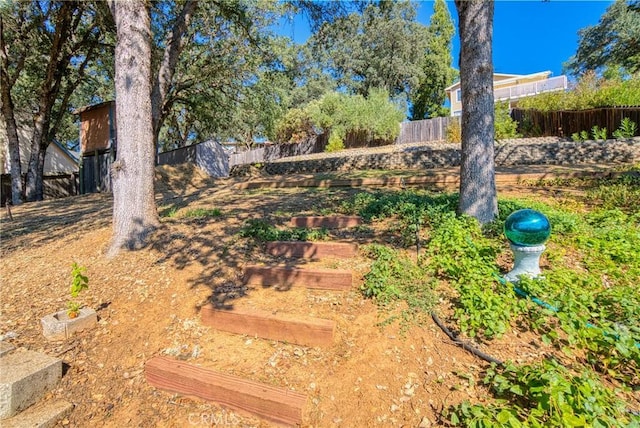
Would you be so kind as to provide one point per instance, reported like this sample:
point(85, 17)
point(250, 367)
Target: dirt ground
point(148, 305)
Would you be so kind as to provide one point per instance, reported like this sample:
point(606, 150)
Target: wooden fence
point(419, 131)
point(314, 144)
point(55, 186)
point(565, 123)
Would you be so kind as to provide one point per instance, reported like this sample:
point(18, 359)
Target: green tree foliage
point(589, 92)
point(339, 114)
point(50, 47)
point(613, 43)
point(505, 127)
point(227, 82)
point(382, 47)
point(428, 98)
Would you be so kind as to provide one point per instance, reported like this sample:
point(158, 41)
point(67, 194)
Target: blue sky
point(528, 35)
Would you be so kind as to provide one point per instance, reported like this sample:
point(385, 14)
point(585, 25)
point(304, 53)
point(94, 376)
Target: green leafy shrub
point(339, 114)
point(454, 132)
point(580, 137)
point(505, 126)
point(599, 133)
point(589, 92)
point(335, 143)
point(543, 394)
point(264, 231)
point(294, 126)
point(394, 277)
point(528, 129)
point(627, 129)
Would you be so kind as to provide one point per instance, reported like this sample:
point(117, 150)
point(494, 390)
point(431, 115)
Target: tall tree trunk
point(478, 196)
point(56, 67)
point(34, 190)
point(162, 82)
point(134, 210)
point(13, 143)
point(6, 106)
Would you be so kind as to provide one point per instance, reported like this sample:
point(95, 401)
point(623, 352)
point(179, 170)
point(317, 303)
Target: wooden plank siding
point(566, 123)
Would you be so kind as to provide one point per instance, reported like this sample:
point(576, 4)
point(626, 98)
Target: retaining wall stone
point(509, 153)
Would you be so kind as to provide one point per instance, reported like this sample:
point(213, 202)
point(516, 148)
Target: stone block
point(25, 376)
point(59, 326)
point(41, 415)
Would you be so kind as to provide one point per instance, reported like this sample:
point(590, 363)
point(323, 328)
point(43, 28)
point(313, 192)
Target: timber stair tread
point(311, 250)
point(253, 318)
point(276, 404)
point(328, 222)
point(283, 327)
point(286, 277)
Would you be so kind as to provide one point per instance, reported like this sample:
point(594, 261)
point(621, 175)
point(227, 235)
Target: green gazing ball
point(527, 228)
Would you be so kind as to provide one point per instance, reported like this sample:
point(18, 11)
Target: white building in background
point(511, 87)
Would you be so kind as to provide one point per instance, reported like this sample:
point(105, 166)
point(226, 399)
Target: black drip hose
point(464, 345)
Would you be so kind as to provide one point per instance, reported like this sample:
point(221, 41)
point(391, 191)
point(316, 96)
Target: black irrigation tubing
point(463, 344)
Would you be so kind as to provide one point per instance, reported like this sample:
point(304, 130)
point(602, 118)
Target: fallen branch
point(463, 344)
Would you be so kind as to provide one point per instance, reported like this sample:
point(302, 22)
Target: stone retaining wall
point(541, 151)
point(521, 153)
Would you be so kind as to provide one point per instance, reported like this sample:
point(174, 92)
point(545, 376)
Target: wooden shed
point(97, 146)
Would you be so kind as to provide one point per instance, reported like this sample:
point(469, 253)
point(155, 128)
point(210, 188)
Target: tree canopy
point(428, 98)
point(382, 47)
point(614, 43)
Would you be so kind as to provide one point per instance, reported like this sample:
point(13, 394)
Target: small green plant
point(599, 133)
point(584, 135)
point(576, 137)
point(203, 212)
point(79, 283)
point(170, 212)
point(394, 277)
point(335, 143)
point(627, 129)
point(266, 232)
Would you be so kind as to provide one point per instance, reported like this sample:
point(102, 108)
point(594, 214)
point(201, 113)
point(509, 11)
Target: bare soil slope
point(148, 304)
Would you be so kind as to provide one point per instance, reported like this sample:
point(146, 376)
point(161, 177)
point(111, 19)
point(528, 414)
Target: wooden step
point(311, 250)
point(287, 277)
point(328, 222)
point(277, 405)
point(304, 331)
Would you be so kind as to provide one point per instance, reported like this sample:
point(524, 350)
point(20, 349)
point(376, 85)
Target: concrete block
point(5, 348)
point(41, 415)
point(59, 326)
point(25, 376)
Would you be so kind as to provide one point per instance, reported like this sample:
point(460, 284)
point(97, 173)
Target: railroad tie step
point(328, 222)
point(305, 331)
point(311, 250)
point(286, 277)
point(275, 404)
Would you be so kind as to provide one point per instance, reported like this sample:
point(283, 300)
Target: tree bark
point(56, 67)
point(7, 108)
point(134, 210)
point(478, 196)
point(162, 83)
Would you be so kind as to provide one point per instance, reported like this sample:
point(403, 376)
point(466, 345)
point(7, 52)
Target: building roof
point(91, 107)
point(507, 78)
